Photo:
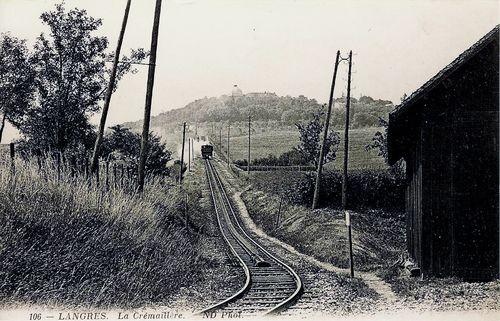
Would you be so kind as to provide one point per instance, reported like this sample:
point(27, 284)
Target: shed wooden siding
point(414, 203)
point(448, 137)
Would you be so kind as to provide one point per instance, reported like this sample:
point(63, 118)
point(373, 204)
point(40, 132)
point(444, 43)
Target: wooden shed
point(447, 133)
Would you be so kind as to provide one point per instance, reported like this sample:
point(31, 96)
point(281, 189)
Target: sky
point(286, 47)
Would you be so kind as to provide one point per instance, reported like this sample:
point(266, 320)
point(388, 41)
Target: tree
point(71, 79)
point(16, 80)
point(379, 143)
point(366, 100)
point(364, 119)
point(121, 144)
point(310, 146)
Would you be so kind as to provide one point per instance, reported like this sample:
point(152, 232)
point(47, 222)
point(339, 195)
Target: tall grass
point(64, 241)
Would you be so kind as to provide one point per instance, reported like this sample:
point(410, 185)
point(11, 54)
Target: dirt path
point(370, 279)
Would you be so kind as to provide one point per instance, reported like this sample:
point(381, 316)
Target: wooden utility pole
point(346, 155)
point(182, 151)
point(149, 96)
point(248, 163)
point(228, 133)
point(192, 150)
point(189, 154)
point(325, 135)
point(109, 92)
point(220, 139)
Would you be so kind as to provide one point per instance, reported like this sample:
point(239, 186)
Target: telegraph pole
point(228, 132)
point(182, 151)
point(192, 149)
point(325, 135)
point(220, 139)
point(346, 155)
point(248, 163)
point(189, 154)
point(109, 92)
point(149, 95)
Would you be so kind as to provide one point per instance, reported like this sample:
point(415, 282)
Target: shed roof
point(405, 106)
point(446, 71)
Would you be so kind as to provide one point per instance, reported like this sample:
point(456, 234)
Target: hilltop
point(265, 107)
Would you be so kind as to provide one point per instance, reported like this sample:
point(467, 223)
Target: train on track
point(207, 151)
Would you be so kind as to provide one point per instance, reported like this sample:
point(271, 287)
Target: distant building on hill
point(260, 94)
point(236, 92)
point(447, 133)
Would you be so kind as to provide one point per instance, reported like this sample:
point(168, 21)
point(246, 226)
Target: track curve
point(270, 285)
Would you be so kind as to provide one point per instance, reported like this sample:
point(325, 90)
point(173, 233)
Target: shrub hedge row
point(290, 158)
point(379, 189)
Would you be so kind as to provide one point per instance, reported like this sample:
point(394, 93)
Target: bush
point(366, 188)
point(378, 189)
point(124, 145)
point(290, 158)
point(120, 145)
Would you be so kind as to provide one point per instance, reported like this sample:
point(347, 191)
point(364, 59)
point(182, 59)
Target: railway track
point(270, 285)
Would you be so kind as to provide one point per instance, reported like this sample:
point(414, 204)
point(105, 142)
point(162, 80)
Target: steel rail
point(288, 268)
point(245, 287)
point(281, 276)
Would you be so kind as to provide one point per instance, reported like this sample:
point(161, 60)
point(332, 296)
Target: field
point(278, 142)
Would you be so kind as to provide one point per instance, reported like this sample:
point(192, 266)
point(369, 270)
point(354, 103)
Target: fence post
point(39, 162)
point(107, 173)
point(121, 175)
point(64, 164)
point(12, 156)
point(98, 169)
point(72, 167)
point(278, 216)
point(58, 165)
point(114, 175)
point(86, 169)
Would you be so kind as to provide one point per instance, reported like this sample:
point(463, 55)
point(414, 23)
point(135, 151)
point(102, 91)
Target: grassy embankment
point(63, 242)
point(379, 243)
point(323, 234)
point(379, 246)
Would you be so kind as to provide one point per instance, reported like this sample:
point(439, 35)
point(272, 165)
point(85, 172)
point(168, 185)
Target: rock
point(412, 268)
